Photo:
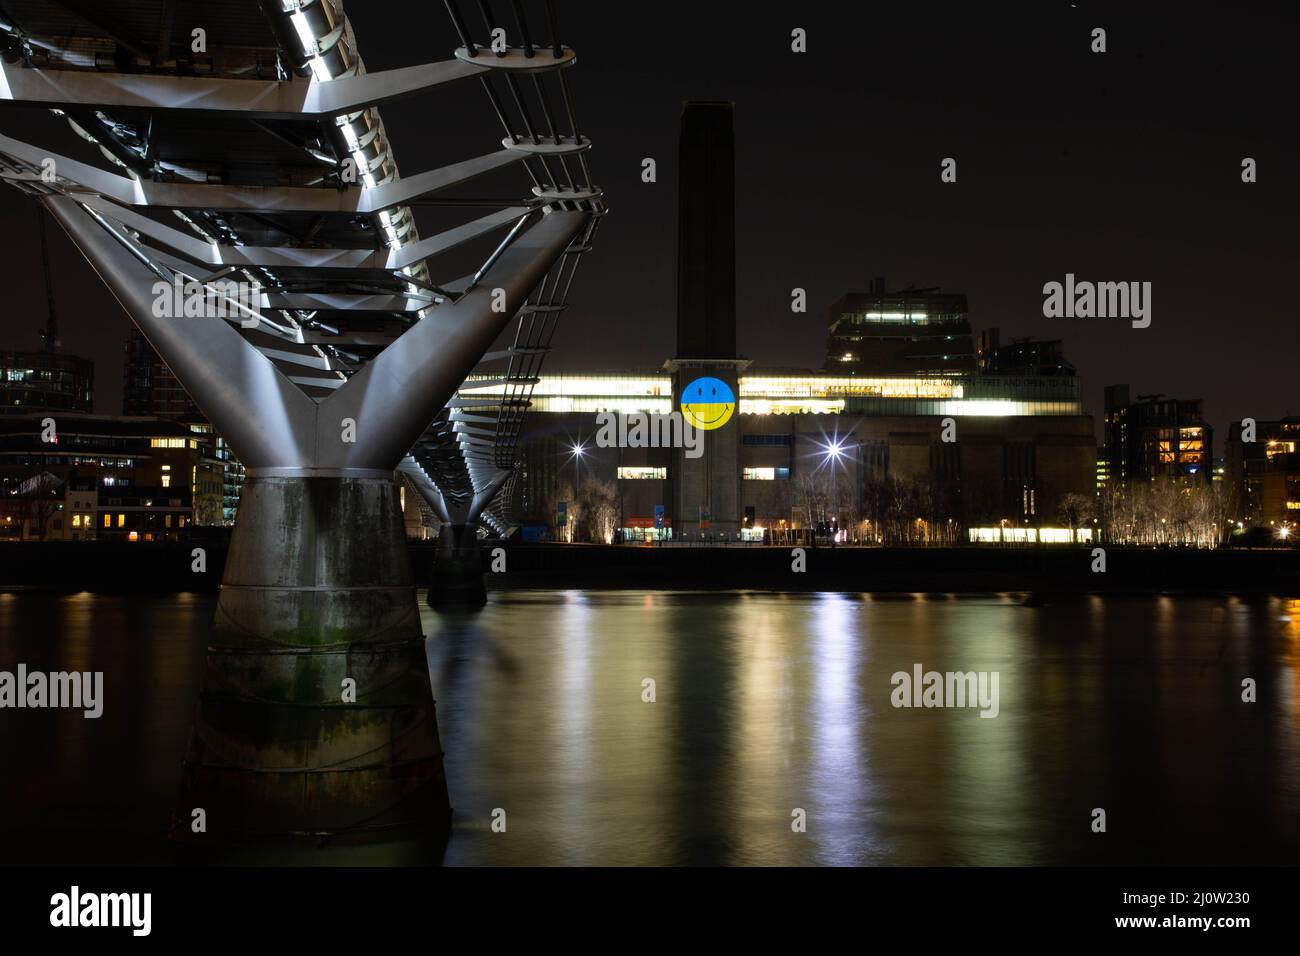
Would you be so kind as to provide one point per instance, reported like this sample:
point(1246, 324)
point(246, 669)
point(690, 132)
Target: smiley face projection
point(708, 403)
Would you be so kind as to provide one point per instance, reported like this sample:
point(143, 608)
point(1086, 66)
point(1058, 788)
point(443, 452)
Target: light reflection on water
point(767, 703)
point(764, 704)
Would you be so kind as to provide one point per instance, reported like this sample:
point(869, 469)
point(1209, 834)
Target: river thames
point(771, 714)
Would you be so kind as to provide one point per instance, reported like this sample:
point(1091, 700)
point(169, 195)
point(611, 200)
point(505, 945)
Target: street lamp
point(833, 451)
point(576, 450)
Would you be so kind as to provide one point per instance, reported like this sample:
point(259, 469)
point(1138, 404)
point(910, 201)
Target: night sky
point(1122, 166)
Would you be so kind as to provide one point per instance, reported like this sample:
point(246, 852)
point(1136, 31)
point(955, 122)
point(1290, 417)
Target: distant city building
point(899, 438)
point(1263, 476)
point(150, 389)
point(45, 381)
point(232, 469)
point(910, 332)
point(1022, 356)
point(807, 444)
point(1155, 437)
point(148, 386)
point(80, 508)
point(148, 476)
point(1220, 469)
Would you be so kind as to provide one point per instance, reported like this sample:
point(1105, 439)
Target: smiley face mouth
point(695, 411)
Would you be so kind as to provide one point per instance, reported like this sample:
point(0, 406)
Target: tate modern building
point(909, 431)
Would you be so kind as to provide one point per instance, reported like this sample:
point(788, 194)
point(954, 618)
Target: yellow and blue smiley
point(708, 403)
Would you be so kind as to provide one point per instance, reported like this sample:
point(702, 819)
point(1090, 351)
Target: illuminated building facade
point(900, 437)
point(802, 439)
point(1263, 476)
point(149, 389)
point(1155, 437)
point(120, 475)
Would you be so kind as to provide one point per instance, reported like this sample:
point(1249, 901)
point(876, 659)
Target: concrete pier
point(457, 578)
point(285, 752)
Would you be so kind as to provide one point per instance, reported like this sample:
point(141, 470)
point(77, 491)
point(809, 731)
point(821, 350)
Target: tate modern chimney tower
point(706, 490)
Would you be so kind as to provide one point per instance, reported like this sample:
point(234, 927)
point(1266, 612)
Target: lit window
point(643, 472)
point(76, 521)
point(121, 521)
point(166, 481)
point(108, 521)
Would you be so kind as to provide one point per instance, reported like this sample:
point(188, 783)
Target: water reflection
point(763, 704)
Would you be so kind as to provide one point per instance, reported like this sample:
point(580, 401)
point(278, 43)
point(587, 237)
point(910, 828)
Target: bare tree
point(597, 515)
point(1076, 510)
point(1167, 511)
point(41, 497)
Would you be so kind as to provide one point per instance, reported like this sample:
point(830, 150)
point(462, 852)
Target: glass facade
point(586, 393)
point(1001, 535)
point(969, 395)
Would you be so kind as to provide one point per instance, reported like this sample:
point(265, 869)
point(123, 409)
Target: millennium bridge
point(235, 152)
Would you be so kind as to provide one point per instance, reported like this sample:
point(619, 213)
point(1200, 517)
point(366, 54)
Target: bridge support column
point(316, 724)
point(457, 578)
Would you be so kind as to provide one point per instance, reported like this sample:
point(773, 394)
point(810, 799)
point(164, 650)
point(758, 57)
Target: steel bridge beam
point(271, 425)
point(269, 99)
point(353, 200)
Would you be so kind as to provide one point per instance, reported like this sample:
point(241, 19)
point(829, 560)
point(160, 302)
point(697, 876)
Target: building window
point(121, 521)
point(76, 521)
point(642, 473)
point(166, 481)
point(108, 521)
point(765, 474)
